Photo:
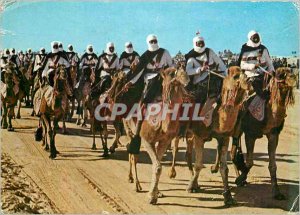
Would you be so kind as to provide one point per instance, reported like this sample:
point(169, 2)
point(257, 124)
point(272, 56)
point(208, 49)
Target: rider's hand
point(127, 86)
point(257, 65)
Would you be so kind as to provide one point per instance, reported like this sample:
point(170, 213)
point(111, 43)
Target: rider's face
point(200, 44)
point(111, 49)
point(255, 38)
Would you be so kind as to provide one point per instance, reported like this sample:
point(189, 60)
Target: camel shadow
point(260, 195)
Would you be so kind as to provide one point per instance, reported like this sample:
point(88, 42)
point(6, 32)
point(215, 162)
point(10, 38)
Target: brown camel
point(281, 88)
point(161, 132)
point(51, 102)
point(223, 119)
point(9, 92)
point(81, 92)
point(73, 73)
point(118, 81)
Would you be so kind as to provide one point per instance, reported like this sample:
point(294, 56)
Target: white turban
point(197, 48)
point(152, 47)
point(41, 49)
point(250, 42)
point(54, 50)
point(109, 45)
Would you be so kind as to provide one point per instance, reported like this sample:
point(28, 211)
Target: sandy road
point(79, 181)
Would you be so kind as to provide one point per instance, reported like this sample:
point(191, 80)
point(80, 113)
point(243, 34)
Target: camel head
point(281, 87)
point(234, 88)
point(8, 78)
point(174, 81)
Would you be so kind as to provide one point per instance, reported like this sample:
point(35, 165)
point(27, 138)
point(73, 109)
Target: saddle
point(257, 108)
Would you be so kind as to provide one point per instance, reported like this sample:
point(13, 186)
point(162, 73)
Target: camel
point(9, 92)
point(51, 102)
point(163, 132)
point(281, 89)
point(118, 81)
point(24, 91)
point(81, 93)
point(223, 119)
point(73, 73)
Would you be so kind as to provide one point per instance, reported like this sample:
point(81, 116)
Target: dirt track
point(79, 181)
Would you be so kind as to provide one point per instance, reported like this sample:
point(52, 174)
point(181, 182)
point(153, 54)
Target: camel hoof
point(52, 155)
point(32, 114)
point(228, 200)
point(193, 189)
point(240, 180)
point(138, 188)
point(18, 117)
point(130, 180)
point(94, 147)
point(172, 173)
point(83, 125)
point(112, 150)
point(153, 201)
point(46, 148)
point(10, 129)
point(214, 169)
point(277, 194)
point(78, 122)
point(105, 154)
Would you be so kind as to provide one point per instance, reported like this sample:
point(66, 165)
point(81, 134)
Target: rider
point(199, 61)
point(253, 57)
point(147, 71)
point(108, 65)
point(21, 57)
point(3, 62)
point(73, 56)
point(88, 63)
point(38, 63)
point(128, 57)
point(64, 55)
point(53, 60)
point(14, 58)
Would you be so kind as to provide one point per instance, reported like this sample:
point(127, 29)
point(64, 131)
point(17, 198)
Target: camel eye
point(235, 77)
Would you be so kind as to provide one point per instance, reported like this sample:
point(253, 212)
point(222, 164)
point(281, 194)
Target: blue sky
point(224, 25)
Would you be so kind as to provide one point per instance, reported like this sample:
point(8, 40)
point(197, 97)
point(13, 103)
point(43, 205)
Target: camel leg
point(50, 132)
point(19, 107)
point(215, 168)
point(272, 145)
point(156, 172)
point(250, 142)
point(172, 171)
point(104, 136)
point(235, 142)
point(189, 153)
point(4, 116)
point(45, 132)
point(11, 114)
point(130, 159)
point(94, 147)
point(193, 186)
point(224, 142)
point(85, 113)
point(116, 142)
point(64, 128)
point(79, 111)
point(138, 186)
point(72, 109)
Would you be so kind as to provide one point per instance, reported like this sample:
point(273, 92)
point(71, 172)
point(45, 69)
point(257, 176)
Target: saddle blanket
point(257, 108)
